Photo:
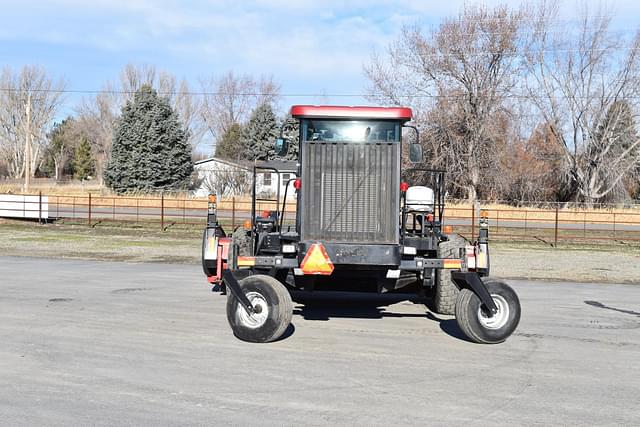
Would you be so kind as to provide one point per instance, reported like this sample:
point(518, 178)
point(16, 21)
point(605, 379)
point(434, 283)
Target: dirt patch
point(595, 265)
point(109, 244)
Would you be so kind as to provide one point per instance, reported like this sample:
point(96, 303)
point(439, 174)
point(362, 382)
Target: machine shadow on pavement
point(323, 306)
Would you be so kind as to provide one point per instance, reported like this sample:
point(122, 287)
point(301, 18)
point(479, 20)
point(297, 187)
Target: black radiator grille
point(350, 192)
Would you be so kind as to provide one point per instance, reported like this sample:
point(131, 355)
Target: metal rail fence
point(551, 224)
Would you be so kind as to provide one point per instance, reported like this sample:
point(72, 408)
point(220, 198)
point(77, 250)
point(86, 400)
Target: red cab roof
point(342, 112)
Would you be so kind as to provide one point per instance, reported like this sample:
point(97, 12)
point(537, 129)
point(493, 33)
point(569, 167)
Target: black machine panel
point(350, 191)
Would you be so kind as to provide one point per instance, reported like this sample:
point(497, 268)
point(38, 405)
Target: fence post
point(555, 238)
point(233, 213)
point(89, 209)
point(114, 208)
point(39, 207)
point(614, 225)
point(137, 210)
point(162, 211)
point(74, 207)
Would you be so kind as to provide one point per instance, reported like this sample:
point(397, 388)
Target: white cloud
point(305, 43)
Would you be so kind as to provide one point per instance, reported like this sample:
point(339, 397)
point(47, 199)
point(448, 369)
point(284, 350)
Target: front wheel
point(272, 310)
point(475, 321)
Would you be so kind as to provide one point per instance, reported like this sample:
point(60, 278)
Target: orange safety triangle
point(316, 261)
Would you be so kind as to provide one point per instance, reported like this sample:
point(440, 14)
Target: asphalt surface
point(97, 343)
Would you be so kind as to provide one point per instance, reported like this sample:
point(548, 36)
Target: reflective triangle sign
point(316, 261)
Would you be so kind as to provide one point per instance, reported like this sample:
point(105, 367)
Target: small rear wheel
point(446, 292)
point(272, 310)
point(478, 324)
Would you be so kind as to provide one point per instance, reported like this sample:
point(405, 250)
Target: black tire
point(446, 292)
point(241, 238)
point(491, 330)
point(272, 297)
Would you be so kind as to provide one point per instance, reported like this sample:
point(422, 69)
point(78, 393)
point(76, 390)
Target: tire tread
point(446, 292)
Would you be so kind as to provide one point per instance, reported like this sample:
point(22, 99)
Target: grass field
point(182, 244)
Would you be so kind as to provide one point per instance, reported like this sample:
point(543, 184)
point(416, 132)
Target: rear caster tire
point(446, 292)
point(474, 321)
point(273, 310)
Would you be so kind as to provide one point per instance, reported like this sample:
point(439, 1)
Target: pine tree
point(291, 131)
point(229, 145)
point(150, 149)
point(259, 134)
point(60, 149)
point(83, 163)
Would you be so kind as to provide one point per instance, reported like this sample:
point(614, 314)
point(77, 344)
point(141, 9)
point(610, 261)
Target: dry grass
point(145, 243)
point(48, 187)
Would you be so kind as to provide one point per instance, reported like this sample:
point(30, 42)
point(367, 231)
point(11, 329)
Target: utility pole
point(27, 147)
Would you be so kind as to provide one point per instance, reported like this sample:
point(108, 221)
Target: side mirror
point(281, 147)
point(415, 153)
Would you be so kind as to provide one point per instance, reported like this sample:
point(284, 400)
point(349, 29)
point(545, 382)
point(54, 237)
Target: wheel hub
point(260, 311)
point(499, 318)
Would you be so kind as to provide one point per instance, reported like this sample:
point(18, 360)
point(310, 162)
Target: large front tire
point(273, 310)
point(473, 320)
point(446, 292)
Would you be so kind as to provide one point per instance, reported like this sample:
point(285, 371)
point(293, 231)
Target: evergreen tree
point(229, 145)
point(291, 132)
point(62, 141)
point(83, 163)
point(259, 134)
point(150, 149)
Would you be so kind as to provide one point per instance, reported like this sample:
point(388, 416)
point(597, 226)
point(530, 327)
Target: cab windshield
point(350, 131)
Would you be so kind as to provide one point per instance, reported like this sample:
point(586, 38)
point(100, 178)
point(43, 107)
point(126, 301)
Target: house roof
point(237, 164)
point(281, 165)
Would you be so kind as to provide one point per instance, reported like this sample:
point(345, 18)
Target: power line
point(302, 95)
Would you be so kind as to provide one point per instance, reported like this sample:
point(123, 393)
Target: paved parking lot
point(97, 343)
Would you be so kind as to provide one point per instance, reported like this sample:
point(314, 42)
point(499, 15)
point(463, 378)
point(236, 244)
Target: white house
point(267, 180)
point(233, 178)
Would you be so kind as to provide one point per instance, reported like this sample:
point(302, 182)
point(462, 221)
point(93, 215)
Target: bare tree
point(96, 120)
point(29, 100)
point(457, 78)
point(230, 99)
point(227, 182)
point(586, 87)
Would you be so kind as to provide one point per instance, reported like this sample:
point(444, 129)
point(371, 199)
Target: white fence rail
point(18, 206)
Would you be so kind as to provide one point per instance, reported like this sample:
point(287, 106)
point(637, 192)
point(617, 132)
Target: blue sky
point(308, 46)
